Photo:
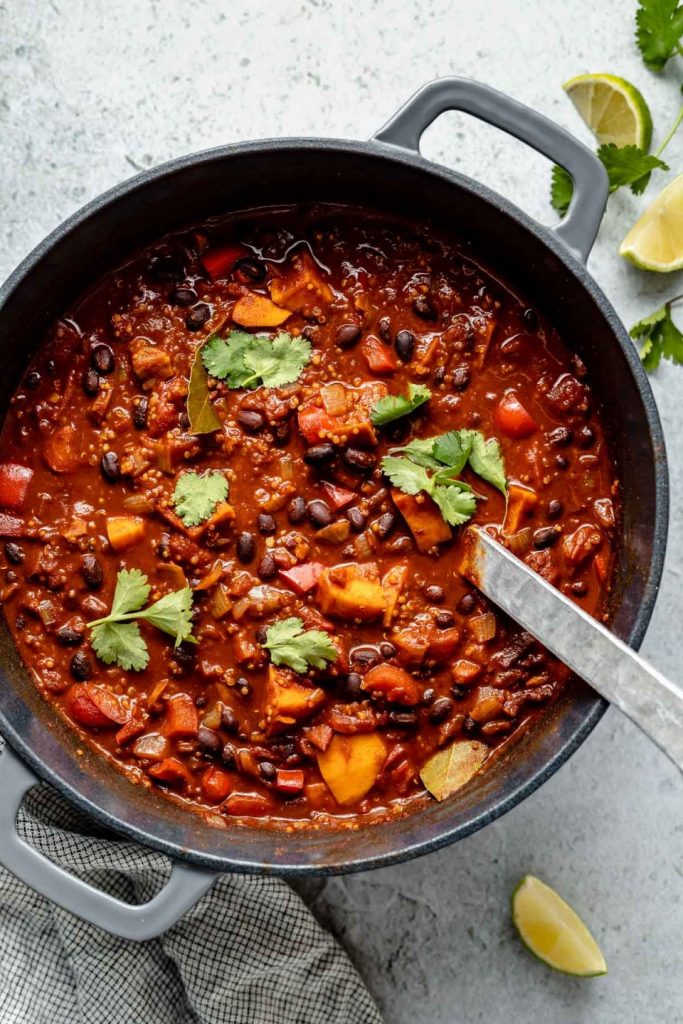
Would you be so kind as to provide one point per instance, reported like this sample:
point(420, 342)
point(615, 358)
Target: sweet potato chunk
point(393, 683)
point(521, 503)
point(351, 591)
point(254, 310)
point(62, 450)
point(123, 531)
point(182, 720)
point(341, 413)
point(150, 361)
point(351, 764)
point(287, 701)
point(301, 288)
point(426, 523)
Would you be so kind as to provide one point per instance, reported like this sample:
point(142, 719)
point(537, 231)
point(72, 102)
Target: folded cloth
point(250, 951)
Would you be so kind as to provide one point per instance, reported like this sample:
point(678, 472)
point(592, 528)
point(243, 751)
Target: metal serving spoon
point(620, 675)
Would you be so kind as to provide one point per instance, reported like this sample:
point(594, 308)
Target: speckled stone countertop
point(90, 93)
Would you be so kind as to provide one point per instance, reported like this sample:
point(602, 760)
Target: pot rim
point(596, 708)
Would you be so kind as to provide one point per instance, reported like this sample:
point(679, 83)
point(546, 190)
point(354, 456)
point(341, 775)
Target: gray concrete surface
point(92, 91)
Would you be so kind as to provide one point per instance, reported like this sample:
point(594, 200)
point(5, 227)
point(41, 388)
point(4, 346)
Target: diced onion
point(152, 746)
point(483, 627)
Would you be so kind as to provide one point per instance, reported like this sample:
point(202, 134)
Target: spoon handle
point(618, 673)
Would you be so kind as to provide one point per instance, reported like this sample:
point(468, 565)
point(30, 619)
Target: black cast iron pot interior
point(527, 257)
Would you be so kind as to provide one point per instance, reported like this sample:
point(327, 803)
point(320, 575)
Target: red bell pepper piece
point(289, 780)
point(338, 497)
point(302, 578)
point(216, 784)
point(380, 358)
point(219, 262)
point(10, 526)
point(182, 720)
point(95, 707)
point(14, 481)
point(315, 424)
point(128, 732)
point(512, 419)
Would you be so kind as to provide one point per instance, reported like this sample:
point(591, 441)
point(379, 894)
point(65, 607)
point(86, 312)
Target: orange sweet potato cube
point(351, 591)
point(424, 519)
point(287, 701)
point(301, 287)
point(254, 310)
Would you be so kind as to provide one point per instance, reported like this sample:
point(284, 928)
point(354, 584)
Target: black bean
point(555, 509)
point(102, 359)
point(440, 710)
point(404, 345)
point(579, 588)
point(404, 719)
point(439, 375)
point(249, 271)
point(461, 377)
point(434, 593)
point(33, 380)
point(384, 328)
point(385, 525)
point(459, 692)
point(560, 437)
point(209, 740)
point(466, 604)
point(91, 382)
point(365, 655)
point(561, 461)
point(81, 666)
point(428, 696)
point(183, 295)
point(359, 460)
point(167, 267)
point(469, 726)
point(229, 755)
point(245, 547)
point(15, 553)
point(69, 637)
point(266, 524)
point(319, 454)
point(296, 509)
point(140, 410)
point(319, 513)
point(424, 308)
point(397, 431)
point(281, 433)
point(261, 634)
point(109, 465)
point(444, 619)
point(353, 686)
point(387, 650)
point(251, 420)
point(585, 438)
point(267, 567)
point(197, 317)
point(545, 537)
point(243, 687)
point(356, 518)
point(310, 332)
point(185, 654)
point(267, 769)
point(91, 571)
point(530, 318)
point(229, 719)
point(348, 335)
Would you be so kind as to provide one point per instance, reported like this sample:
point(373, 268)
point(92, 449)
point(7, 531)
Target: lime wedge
point(655, 242)
point(553, 932)
point(613, 109)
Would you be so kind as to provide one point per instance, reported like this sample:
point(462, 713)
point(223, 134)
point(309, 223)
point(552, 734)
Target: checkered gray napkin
point(250, 951)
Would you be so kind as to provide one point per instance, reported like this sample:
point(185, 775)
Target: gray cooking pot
point(546, 265)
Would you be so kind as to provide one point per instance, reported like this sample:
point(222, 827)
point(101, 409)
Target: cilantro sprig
point(659, 28)
point(432, 466)
point(625, 165)
point(197, 495)
point(393, 407)
point(660, 336)
point(251, 361)
point(298, 648)
point(117, 639)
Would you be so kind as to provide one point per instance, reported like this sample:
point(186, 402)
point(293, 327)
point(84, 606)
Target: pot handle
point(186, 884)
point(579, 227)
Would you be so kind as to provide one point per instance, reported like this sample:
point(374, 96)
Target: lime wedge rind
point(655, 242)
point(614, 109)
point(553, 932)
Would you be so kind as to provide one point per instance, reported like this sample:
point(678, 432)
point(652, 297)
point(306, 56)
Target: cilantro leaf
point(172, 614)
point(392, 407)
point(661, 338)
point(404, 474)
point(248, 360)
point(453, 449)
point(196, 496)
point(659, 27)
point(629, 165)
point(486, 460)
point(456, 505)
point(289, 644)
point(561, 189)
point(120, 642)
point(421, 452)
point(132, 590)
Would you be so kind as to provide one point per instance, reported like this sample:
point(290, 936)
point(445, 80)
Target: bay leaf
point(449, 769)
point(200, 412)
